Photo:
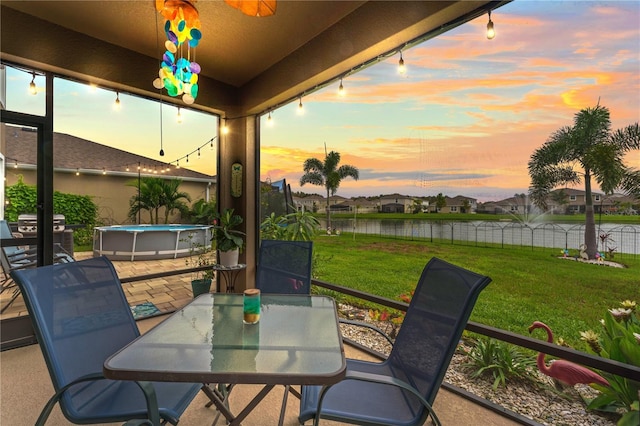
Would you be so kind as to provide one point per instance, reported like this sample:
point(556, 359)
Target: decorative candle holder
point(251, 306)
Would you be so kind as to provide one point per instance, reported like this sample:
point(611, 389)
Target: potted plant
point(199, 256)
point(229, 240)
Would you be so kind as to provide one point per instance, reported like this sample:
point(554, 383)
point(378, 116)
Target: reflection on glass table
point(296, 342)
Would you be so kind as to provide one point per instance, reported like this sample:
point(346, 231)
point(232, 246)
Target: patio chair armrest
point(147, 388)
point(386, 380)
point(46, 411)
point(369, 326)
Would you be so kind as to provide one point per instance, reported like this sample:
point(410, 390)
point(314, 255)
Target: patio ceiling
point(247, 62)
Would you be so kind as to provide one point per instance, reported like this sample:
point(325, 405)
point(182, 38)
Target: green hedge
point(77, 209)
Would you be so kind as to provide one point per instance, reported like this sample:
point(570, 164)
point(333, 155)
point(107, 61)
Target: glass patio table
point(296, 342)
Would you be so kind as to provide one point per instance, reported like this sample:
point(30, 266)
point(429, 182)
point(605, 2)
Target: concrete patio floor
point(25, 385)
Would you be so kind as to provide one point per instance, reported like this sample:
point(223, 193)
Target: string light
point(32, 86)
point(224, 129)
point(269, 120)
point(401, 68)
point(161, 167)
point(491, 33)
point(341, 90)
point(116, 105)
point(15, 165)
point(300, 107)
point(179, 117)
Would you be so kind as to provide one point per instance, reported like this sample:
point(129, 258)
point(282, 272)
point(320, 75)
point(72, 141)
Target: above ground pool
point(144, 242)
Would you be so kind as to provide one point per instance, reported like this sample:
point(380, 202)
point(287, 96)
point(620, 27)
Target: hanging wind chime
point(179, 71)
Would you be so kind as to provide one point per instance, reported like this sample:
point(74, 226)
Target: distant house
point(396, 203)
point(83, 167)
point(620, 204)
point(564, 201)
point(363, 205)
point(574, 201)
point(356, 205)
point(311, 203)
point(457, 204)
point(518, 205)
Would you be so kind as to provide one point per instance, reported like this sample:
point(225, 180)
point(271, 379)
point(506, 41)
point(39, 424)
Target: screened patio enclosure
point(249, 66)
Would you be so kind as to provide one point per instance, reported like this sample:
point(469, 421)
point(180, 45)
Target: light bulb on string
point(179, 116)
point(211, 143)
point(177, 164)
point(187, 158)
point(77, 172)
point(401, 68)
point(32, 86)
point(116, 105)
point(300, 107)
point(491, 33)
point(269, 120)
point(341, 91)
point(104, 171)
point(198, 153)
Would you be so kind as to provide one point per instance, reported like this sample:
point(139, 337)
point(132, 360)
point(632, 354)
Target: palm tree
point(155, 193)
point(578, 153)
point(327, 174)
point(147, 198)
point(172, 199)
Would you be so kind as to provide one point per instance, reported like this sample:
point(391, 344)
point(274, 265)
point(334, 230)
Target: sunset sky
point(469, 112)
point(463, 120)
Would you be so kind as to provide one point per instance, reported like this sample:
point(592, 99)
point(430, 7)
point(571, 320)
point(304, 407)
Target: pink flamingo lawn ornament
point(562, 370)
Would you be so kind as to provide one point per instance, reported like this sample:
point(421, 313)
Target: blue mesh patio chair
point(400, 390)
point(81, 316)
point(284, 267)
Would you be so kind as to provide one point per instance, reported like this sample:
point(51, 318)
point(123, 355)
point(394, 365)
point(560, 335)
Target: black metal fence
point(616, 240)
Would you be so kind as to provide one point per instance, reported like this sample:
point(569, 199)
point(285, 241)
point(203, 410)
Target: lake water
point(624, 238)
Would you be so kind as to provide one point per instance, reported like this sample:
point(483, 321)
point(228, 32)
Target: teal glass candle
point(251, 306)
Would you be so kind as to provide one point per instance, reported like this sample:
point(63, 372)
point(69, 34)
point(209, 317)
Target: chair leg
point(287, 388)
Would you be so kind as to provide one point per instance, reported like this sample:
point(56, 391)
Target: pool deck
point(167, 294)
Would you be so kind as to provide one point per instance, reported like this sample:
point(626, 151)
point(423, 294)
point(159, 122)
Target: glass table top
point(296, 341)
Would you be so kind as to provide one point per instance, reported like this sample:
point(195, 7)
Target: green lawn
point(527, 285)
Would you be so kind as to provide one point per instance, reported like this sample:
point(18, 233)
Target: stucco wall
point(110, 193)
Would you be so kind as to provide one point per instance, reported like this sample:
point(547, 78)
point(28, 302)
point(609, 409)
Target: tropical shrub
point(619, 341)
point(500, 360)
point(296, 226)
point(201, 212)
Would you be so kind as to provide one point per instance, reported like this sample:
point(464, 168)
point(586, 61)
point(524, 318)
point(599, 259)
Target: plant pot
point(200, 286)
point(229, 258)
